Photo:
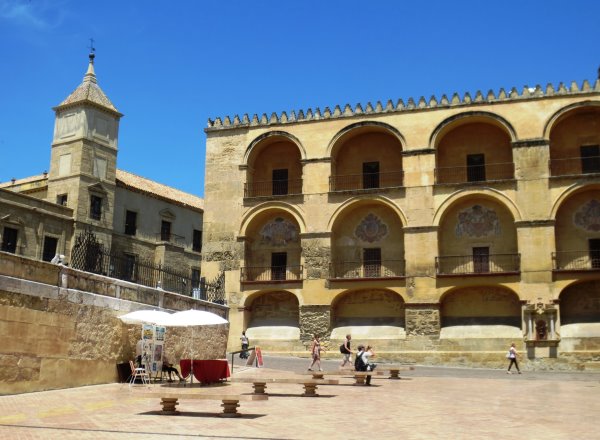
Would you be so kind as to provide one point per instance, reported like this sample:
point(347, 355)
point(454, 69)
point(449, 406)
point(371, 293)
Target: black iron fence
point(576, 260)
point(271, 274)
point(354, 182)
point(480, 264)
point(475, 173)
point(357, 269)
point(574, 166)
point(90, 255)
point(273, 188)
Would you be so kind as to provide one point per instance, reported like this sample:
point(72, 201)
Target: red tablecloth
point(206, 371)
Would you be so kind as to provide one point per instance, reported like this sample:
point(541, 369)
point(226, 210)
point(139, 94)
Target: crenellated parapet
point(400, 106)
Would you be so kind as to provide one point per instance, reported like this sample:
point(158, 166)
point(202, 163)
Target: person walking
point(315, 350)
point(245, 344)
point(346, 351)
point(512, 355)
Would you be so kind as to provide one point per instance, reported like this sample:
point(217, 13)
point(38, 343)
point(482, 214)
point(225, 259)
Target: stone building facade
point(137, 219)
point(438, 230)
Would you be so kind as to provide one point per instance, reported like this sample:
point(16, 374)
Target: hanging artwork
point(477, 221)
point(371, 229)
point(587, 217)
point(279, 232)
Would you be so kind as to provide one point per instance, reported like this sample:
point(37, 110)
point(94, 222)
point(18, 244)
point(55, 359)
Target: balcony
point(574, 166)
point(167, 237)
point(480, 265)
point(273, 188)
point(271, 274)
point(352, 270)
point(366, 181)
point(477, 173)
point(576, 260)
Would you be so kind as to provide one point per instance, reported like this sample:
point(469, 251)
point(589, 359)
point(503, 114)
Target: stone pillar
point(422, 319)
point(315, 320)
point(316, 251)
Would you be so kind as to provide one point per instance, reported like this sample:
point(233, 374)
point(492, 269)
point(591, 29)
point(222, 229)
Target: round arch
point(272, 314)
point(357, 201)
point(564, 112)
point(252, 214)
point(488, 193)
point(346, 130)
point(483, 311)
point(567, 193)
point(271, 134)
point(377, 313)
point(473, 116)
point(580, 309)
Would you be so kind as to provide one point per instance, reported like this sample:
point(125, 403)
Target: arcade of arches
point(438, 236)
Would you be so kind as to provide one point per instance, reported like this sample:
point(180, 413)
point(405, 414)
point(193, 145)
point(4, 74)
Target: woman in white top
point(512, 355)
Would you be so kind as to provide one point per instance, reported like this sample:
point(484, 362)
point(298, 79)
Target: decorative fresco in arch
point(371, 229)
point(482, 305)
point(477, 221)
point(369, 308)
point(274, 309)
point(580, 303)
point(587, 217)
point(279, 232)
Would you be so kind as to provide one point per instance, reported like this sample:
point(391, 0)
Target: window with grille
point(590, 159)
point(165, 230)
point(475, 167)
point(370, 172)
point(481, 259)
point(372, 262)
point(280, 182)
point(278, 265)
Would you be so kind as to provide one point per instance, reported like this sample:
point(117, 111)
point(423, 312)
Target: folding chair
point(138, 373)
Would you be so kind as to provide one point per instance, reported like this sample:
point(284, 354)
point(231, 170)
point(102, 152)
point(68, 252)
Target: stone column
point(316, 251)
point(422, 319)
point(315, 320)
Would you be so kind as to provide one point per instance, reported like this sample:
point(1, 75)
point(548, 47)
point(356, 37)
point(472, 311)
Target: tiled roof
point(89, 91)
point(147, 186)
point(24, 180)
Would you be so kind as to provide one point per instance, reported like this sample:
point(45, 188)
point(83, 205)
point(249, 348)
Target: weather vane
point(92, 48)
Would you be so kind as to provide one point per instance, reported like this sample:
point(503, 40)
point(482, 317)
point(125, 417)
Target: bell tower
point(84, 156)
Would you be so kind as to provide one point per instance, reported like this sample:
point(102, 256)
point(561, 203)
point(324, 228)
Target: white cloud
point(39, 14)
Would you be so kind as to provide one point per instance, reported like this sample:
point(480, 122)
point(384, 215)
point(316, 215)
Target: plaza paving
point(428, 403)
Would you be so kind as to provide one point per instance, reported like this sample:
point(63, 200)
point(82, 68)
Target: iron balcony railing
point(168, 237)
point(478, 264)
point(271, 274)
point(271, 188)
point(575, 166)
point(365, 181)
point(576, 260)
point(476, 173)
point(357, 269)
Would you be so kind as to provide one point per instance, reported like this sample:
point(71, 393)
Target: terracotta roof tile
point(153, 188)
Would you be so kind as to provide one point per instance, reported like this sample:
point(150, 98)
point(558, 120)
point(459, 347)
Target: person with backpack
point(361, 363)
point(346, 351)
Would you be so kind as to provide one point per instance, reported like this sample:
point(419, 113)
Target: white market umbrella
point(192, 318)
point(145, 317)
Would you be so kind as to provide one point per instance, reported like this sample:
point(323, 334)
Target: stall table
point(206, 370)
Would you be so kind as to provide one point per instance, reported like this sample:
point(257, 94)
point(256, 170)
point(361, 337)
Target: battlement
point(411, 105)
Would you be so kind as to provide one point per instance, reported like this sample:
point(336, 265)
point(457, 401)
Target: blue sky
point(170, 65)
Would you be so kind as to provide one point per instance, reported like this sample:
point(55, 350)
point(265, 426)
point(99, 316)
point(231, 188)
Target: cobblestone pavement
point(428, 403)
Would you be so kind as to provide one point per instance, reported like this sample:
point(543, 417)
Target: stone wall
point(60, 327)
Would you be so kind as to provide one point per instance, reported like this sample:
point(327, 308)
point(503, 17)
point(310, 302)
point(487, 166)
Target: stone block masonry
point(60, 327)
